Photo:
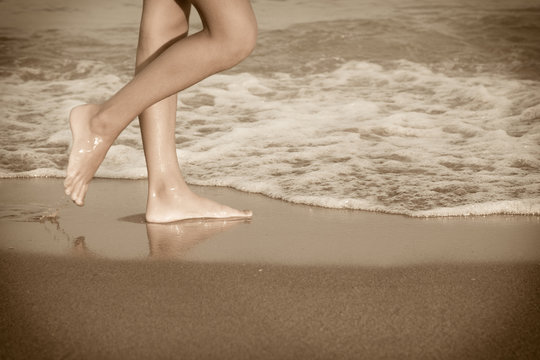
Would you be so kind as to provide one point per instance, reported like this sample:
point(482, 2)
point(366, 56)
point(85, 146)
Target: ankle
point(101, 125)
point(167, 189)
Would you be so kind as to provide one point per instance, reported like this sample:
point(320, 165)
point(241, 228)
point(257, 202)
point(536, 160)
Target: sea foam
point(400, 139)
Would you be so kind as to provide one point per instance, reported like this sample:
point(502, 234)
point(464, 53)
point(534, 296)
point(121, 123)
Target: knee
point(243, 42)
point(236, 44)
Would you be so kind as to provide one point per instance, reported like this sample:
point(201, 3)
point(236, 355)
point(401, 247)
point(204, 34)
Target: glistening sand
point(111, 225)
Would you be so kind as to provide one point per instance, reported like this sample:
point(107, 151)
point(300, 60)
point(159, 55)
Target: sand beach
point(404, 107)
point(294, 282)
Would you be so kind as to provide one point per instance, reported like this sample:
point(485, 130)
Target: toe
point(75, 194)
point(83, 194)
point(79, 196)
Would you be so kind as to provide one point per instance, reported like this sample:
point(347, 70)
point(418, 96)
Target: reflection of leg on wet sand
point(51, 219)
point(174, 240)
point(79, 247)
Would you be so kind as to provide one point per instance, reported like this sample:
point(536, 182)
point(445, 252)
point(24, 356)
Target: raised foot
point(171, 207)
point(87, 152)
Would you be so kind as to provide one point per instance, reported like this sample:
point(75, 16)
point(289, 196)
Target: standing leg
point(163, 23)
point(169, 198)
point(228, 37)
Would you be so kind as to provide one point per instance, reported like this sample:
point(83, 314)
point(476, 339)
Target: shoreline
point(461, 211)
point(37, 217)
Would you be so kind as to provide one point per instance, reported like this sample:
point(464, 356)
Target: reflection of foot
point(87, 152)
point(176, 203)
point(173, 240)
point(79, 247)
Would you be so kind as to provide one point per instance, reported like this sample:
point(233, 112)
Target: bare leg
point(228, 37)
point(169, 198)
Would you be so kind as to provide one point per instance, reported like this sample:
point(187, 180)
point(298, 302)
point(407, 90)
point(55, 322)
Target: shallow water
point(404, 107)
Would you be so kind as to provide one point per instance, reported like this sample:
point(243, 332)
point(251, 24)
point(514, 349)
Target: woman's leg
point(228, 37)
point(169, 198)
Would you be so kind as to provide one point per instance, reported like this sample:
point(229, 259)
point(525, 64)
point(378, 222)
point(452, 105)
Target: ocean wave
point(400, 139)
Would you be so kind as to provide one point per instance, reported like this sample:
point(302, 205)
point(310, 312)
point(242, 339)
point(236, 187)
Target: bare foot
point(87, 152)
point(179, 203)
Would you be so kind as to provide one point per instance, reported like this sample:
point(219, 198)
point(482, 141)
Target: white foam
point(399, 137)
point(422, 139)
point(507, 207)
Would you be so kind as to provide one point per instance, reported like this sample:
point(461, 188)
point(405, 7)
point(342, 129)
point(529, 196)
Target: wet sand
point(295, 282)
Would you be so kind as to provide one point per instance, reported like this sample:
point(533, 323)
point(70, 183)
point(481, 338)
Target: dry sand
point(295, 282)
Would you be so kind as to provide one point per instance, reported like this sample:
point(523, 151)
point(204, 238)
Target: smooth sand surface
point(59, 307)
point(295, 282)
